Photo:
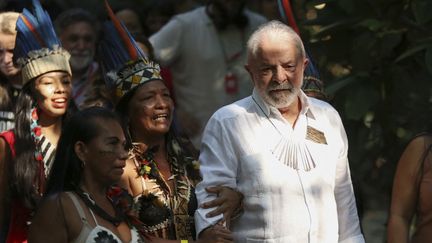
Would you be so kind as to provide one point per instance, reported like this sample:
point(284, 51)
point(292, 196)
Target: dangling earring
point(83, 163)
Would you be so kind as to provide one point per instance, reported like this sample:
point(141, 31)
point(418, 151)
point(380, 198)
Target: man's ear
point(305, 63)
point(81, 151)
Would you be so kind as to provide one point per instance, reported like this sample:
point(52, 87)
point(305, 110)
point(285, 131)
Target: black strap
point(119, 217)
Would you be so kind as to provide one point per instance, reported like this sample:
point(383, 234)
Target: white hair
point(8, 22)
point(273, 27)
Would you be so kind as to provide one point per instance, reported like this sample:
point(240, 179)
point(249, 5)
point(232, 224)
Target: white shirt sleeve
point(166, 42)
point(349, 225)
point(218, 168)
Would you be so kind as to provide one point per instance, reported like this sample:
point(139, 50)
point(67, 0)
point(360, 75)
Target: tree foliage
point(375, 57)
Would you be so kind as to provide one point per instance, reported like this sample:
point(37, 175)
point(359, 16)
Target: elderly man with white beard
point(286, 152)
point(79, 31)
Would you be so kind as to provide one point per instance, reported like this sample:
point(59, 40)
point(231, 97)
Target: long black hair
point(83, 126)
point(25, 169)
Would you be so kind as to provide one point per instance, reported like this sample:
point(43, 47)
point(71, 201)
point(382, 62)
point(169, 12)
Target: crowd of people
point(194, 128)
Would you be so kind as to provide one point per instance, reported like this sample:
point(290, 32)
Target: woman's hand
point(228, 203)
point(215, 234)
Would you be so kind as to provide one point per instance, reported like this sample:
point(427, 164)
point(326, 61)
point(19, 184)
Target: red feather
point(290, 16)
point(123, 35)
point(33, 30)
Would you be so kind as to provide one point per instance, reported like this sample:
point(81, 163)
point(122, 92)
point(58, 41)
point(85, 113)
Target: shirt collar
point(267, 109)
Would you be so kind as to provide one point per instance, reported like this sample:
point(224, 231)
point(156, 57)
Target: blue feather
point(281, 11)
point(45, 25)
point(311, 69)
point(113, 51)
point(34, 31)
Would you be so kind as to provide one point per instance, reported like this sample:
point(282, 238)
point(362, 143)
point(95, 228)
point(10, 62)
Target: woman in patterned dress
point(162, 170)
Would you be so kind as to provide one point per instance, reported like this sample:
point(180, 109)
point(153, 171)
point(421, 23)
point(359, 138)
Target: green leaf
point(335, 87)
point(411, 52)
point(388, 43)
point(360, 100)
point(372, 24)
point(421, 10)
point(428, 59)
point(340, 84)
point(334, 25)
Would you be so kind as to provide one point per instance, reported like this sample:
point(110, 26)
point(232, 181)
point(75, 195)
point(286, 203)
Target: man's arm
point(218, 168)
point(167, 42)
point(349, 225)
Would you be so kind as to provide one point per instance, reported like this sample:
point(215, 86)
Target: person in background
point(162, 169)
point(10, 78)
point(81, 203)
point(182, 6)
point(27, 151)
point(412, 194)
point(156, 13)
point(284, 151)
point(79, 32)
point(131, 19)
point(268, 8)
point(205, 52)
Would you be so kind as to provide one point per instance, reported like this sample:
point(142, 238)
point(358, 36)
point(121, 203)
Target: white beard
point(79, 63)
point(282, 99)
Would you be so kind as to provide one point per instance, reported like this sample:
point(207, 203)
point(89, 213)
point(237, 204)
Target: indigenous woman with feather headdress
point(162, 170)
point(27, 151)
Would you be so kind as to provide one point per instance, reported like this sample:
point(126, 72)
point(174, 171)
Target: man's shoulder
point(194, 15)
point(321, 105)
point(233, 110)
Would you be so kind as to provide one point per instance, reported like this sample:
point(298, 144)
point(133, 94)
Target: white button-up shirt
point(249, 146)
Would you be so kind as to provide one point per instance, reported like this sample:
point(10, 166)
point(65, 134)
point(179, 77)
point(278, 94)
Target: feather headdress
point(125, 64)
point(37, 48)
point(312, 84)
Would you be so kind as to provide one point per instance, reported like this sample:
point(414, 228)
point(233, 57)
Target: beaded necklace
point(116, 220)
point(36, 134)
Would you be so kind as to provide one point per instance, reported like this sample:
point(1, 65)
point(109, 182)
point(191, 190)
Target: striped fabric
point(48, 153)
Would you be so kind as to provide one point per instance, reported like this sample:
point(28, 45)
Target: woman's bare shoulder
point(420, 142)
point(57, 217)
point(415, 153)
